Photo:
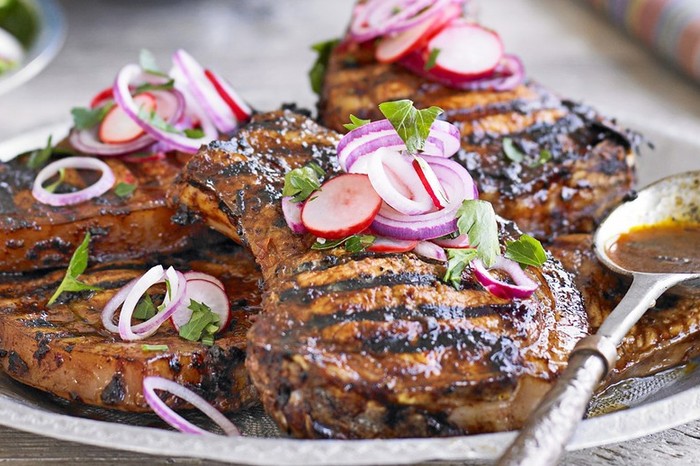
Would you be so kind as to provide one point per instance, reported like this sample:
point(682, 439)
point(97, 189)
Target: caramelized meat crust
point(371, 345)
point(36, 236)
point(576, 164)
point(65, 350)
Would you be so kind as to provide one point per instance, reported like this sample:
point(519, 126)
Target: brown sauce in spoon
point(668, 247)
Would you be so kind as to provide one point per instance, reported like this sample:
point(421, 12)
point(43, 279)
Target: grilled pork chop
point(64, 349)
point(373, 345)
point(37, 236)
point(668, 333)
point(591, 166)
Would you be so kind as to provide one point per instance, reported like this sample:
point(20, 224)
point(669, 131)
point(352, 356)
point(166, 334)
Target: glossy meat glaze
point(373, 345)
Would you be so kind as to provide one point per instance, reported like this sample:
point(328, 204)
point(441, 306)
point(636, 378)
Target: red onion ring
point(523, 288)
point(292, 215)
point(176, 141)
point(430, 250)
point(378, 166)
point(460, 242)
point(379, 17)
point(102, 185)
point(151, 384)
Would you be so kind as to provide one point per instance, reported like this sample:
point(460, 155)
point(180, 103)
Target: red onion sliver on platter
point(102, 185)
point(522, 286)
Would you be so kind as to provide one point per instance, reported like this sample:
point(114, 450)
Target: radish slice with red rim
point(522, 287)
point(430, 250)
point(206, 292)
point(467, 50)
point(383, 244)
point(430, 182)
point(238, 106)
point(344, 206)
point(118, 128)
point(385, 160)
point(103, 184)
point(292, 215)
point(152, 383)
point(204, 91)
point(194, 275)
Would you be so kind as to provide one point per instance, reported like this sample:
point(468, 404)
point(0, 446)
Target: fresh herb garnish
point(545, 156)
point(317, 73)
point(353, 244)
point(87, 118)
point(202, 325)
point(477, 219)
point(169, 85)
point(526, 251)
point(76, 266)
point(61, 175)
point(457, 261)
point(301, 182)
point(432, 59)
point(145, 309)
point(194, 133)
point(154, 347)
point(148, 63)
point(155, 120)
point(124, 189)
point(355, 122)
point(413, 125)
point(511, 151)
point(39, 157)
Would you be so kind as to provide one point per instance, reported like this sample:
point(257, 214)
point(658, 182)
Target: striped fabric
point(671, 27)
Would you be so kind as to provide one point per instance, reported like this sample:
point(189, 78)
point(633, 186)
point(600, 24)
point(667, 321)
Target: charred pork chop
point(373, 345)
point(667, 335)
point(37, 236)
point(577, 165)
point(65, 350)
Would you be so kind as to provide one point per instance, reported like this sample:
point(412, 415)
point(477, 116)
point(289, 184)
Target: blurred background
point(262, 46)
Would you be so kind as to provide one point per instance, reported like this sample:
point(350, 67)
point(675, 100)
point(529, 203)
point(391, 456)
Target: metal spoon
point(543, 438)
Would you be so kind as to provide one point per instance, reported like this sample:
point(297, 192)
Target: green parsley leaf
point(317, 73)
point(169, 85)
point(432, 58)
point(413, 125)
point(154, 347)
point(511, 151)
point(148, 63)
point(300, 183)
point(124, 189)
point(477, 219)
point(355, 122)
point(545, 156)
point(457, 261)
point(202, 325)
point(194, 133)
point(86, 118)
point(526, 251)
point(155, 120)
point(145, 309)
point(40, 157)
point(353, 244)
point(61, 175)
point(76, 266)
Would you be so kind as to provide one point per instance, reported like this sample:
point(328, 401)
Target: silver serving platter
point(50, 38)
point(668, 402)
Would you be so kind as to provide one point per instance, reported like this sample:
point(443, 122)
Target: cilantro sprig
point(147, 61)
point(477, 219)
point(355, 122)
point(413, 125)
point(353, 244)
point(526, 251)
point(300, 183)
point(432, 59)
point(87, 118)
point(154, 347)
point(124, 190)
point(513, 152)
point(203, 324)
point(40, 157)
point(317, 73)
point(76, 266)
point(457, 261)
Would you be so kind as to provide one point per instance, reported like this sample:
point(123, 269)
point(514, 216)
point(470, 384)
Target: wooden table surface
point(263, 47)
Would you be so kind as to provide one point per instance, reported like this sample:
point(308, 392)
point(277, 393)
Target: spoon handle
point(543, 438)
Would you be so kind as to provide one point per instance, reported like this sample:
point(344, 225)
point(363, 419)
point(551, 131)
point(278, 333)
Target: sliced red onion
point(522, 288)
point(113, 304)
point(292, 215)
point(151, 384)
point(385, 160)
point(207, 292)
point(204, 91)
point(178, 287)
point(241, 110)
point(450, 172)
point(379, 17)
point(102, 185)
point(383, 244)
point(177, 141)
point(460, 242)
point(431, 251)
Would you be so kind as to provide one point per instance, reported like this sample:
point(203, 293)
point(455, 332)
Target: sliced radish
point(117, 127)
point(393, 48)
point(206, 292)
point(344, 206)
point(382, 244)
point(240, 109)
point(466, 50)
point(193, 275)
point(292, 215)
point(430, 182)
point(101, 97)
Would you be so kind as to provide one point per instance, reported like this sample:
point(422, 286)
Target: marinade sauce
point(662, 248)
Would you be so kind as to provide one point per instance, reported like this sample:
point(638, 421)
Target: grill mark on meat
point(115, 391)
point(16, 365)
